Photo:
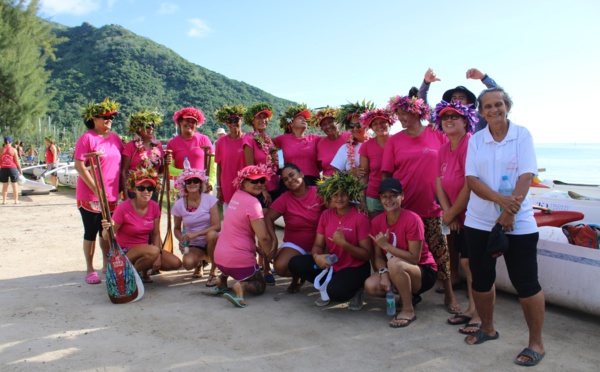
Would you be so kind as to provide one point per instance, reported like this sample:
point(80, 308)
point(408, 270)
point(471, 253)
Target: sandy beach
point(52, 320)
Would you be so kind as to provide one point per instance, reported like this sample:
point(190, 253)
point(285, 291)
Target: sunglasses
point(110, 117)
point(260, 180)
point(147, 188)
point(149, 126)
point(233, 120)
point(192, 180)
point(450, 117)
point(354, 126)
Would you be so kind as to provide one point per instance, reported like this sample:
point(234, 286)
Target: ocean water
point(569, 162)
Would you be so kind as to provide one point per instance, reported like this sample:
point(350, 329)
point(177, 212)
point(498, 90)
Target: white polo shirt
point(489, 160)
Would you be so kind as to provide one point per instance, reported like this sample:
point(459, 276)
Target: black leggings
point(92, 225)
point(344, 283)
point(521, 262)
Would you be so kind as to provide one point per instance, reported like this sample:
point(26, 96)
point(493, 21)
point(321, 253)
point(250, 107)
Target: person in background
point(503, 149)
point(189, 143)
point(51, 160)
point(10, 168)
point(221, 133)
point(460, 93)
point(32, 154)
point(98, 118)
point(20, 150)
point(333, 139)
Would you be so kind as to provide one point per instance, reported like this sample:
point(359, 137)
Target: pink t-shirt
point(134, 228)
point(451, 170)
point(197, 220)
point(355, 227)
point(300, 151)
point(413, 162)
point(409, 227)
point(372, 151)
point(229, 154)
point(301, 216)
point(135, 155)
point(192, 148)
point(260, 157)
point(326, 150)
point(236, 246)
point(110, 163)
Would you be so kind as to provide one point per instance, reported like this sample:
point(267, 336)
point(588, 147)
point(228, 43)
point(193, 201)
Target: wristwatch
point(383, 271)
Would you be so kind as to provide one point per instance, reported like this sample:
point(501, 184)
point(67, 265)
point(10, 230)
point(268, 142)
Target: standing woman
point(189, 143)
point(98, 118)
point(51, 159)
point(297, 146)
point(457, 122)
point(371, 153)
point(410, 156)
point(197, 213)
point(10, 168)
point(342, 231)
point(144, 151)
point(301, 209)
point(242, 227)
point(503, 149)
point(333, 140)
point(229, 152)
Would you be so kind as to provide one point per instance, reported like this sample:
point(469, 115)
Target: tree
point(26, 43)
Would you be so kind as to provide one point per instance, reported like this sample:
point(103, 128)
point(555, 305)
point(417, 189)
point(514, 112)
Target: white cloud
point(198, 29)
point(168, 8)
point(74, 7)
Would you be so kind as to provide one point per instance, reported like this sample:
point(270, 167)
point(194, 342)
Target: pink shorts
point(238, 273)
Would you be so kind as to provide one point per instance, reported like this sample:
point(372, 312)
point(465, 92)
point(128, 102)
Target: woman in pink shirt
point(144, 150)
point(189, 143)
point(301, 209)
point(235, 254)
point(371, 153)
point(402, 259)
point(410, 156)
point(10, 168)
point(229, 151)
point(333, 140)
point(98, 118)
point(344, 232)
point(137, 218)
point(457, 122)
point(297, 146)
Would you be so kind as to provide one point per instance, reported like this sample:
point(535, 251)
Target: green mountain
point(112, 61)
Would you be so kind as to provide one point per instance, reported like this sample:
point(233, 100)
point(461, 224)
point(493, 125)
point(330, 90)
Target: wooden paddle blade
point(121, 282)
point(168, 242)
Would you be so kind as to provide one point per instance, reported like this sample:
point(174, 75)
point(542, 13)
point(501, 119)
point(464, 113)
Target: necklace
point(189, 207)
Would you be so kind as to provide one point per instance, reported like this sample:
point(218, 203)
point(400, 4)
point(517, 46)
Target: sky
point(543, 53)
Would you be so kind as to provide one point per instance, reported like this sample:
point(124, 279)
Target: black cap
point(470, 96)
point(390, 184)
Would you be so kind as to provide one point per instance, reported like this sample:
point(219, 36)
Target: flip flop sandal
point(453, 309)
point(212, 281)
point(405, 324)
point(459, 319)
point(217, 290)
point(531, 354)
point(237, 301)
point(482, 337)
point(93, 278)
point(470, 325)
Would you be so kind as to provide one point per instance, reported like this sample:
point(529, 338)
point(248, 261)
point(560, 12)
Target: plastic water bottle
point(445, 229)
point(186, 163)
point(390, 302)
point(505, 188)
point(331, 259)
point(186, 244)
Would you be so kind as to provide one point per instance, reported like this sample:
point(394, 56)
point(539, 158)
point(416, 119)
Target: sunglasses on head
point(192, 180)
point(149, 126)
point(147, 188)
point(233, 120)
point(260, 180)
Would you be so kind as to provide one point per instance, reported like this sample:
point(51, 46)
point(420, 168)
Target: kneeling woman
point(236, 247)
point(402, 257)
point(134, 220)
point(199, 214)
point(344, 232)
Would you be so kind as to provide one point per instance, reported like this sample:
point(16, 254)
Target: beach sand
point(52, 320)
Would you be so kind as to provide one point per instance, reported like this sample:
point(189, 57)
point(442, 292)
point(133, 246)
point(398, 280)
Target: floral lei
point(267, 145)
point(351, 146)
point(154, 159)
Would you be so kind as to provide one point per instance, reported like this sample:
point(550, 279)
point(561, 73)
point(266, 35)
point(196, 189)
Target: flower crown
point(322, 114)
point(369, 116)
point(189, 173)
point(340, 181)
point(142, 173)
point(465, 110)
point(226, 112)
point(413, 105)
point(347, 111)
point(189, 111)
point(252, 111)
point(289, 114)
point(260, 169)
point(106, 107)
point(49, 139)
point(139, 120)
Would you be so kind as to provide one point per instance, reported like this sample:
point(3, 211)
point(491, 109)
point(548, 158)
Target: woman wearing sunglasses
point(197, 213)
point(144, 151)
point(229, 151)
point(135, 219)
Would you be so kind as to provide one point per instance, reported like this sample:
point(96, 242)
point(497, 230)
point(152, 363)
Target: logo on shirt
point(443, 169)
point(148, 222)
point(316, 205)
point(513, 161)
point(342, 228)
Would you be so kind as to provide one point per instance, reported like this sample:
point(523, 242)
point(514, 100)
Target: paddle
point(167, 244)
point(123, 282)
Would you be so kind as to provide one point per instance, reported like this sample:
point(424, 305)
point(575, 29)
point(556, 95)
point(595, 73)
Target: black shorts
point(203, 249)
point(9, 173)
point(428, 278)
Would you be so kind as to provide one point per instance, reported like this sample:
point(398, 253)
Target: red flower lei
point(351, 146)
point(154, 160)
point(268, 147)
